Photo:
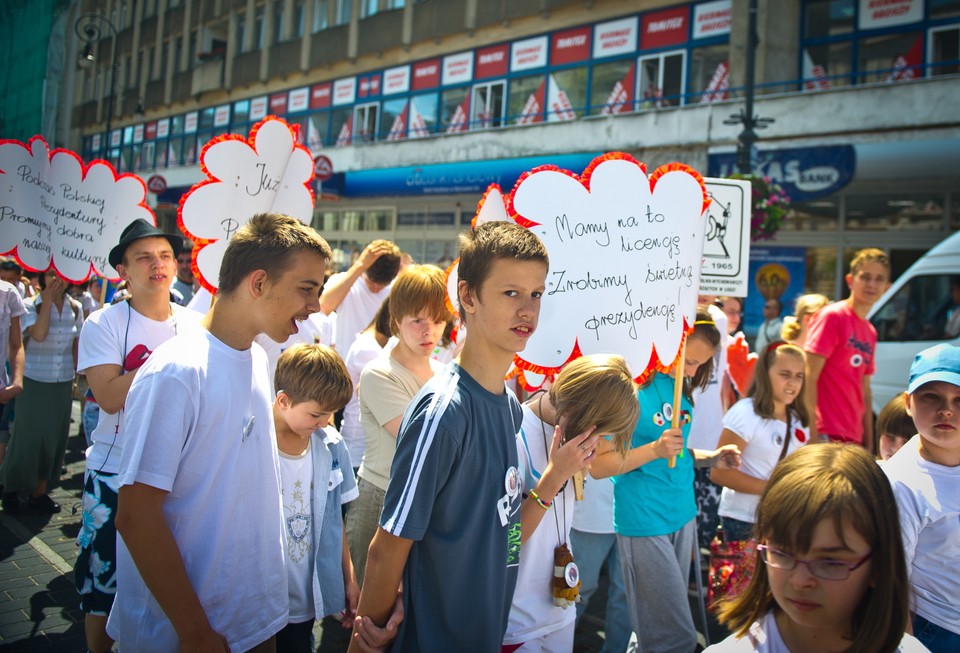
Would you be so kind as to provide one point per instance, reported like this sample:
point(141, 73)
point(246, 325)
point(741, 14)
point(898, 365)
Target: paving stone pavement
point(39, 606)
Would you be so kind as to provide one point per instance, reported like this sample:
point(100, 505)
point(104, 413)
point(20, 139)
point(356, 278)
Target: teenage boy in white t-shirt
point(115, 341)
point(200, 562)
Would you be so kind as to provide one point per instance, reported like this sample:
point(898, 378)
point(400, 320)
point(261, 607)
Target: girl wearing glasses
point(834, 576)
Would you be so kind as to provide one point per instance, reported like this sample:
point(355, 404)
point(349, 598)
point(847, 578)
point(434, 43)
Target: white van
point(912, 315)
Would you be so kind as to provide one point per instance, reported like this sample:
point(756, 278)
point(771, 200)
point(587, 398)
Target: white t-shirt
point(363, 350)
point(764, 438)
point(11, 306)
point(296, 481)
point(356, 310)
point(928, 496)
point(764, 637)
point(199, 425)
point(532, 613)
point(108, 336)
point(708, 404)
point(595, 513)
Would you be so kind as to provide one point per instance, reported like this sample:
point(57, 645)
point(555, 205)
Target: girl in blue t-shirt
point(654, 509)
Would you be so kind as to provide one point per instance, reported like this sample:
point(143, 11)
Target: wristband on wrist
point(536, 497)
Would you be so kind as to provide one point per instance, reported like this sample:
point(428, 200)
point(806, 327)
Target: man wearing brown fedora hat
point(114, 343)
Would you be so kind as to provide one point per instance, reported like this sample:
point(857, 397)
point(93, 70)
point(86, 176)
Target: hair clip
point(710, 322)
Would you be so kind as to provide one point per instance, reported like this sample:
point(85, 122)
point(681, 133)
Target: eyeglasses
point(825, 569)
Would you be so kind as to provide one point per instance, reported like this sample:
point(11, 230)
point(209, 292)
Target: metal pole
point(748, 136)
point(89, 28)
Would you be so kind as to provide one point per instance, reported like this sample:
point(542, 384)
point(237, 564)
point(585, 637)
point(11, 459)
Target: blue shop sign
point(454, 178)
point(805, 173)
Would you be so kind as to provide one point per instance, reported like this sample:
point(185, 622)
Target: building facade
point(416, 106)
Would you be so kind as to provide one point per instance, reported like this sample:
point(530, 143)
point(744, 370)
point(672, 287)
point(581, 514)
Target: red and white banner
point(299, 99)
point(258, 108)
point(138, 133)
point(396, 80)
point(875, 14)
point(570, 46)
point(712, 19)
point(163, 128)
point(492, 61)
point(278, 104)
point(320, 95)
point(221, 116)
point(457, 68)
point(528, 54)
point(814, 75)
point(910, 65)
point(665, 28)
point(559, 108)
point(345, 136)
point(150, 131)
point(719, 87)
point(189, 123)
point(344, 91)
point(399, 127)
point(615, 37)
point(620, 99)
point(368, 85)
point(533, 109)
point(418, 124)
point(459, 121)
point(426, 74)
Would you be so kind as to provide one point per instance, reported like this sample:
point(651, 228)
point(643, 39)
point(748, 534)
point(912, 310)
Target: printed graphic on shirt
point(862, 351)
point(298, 525)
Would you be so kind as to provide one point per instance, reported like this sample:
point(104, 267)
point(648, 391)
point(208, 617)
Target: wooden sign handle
point(677, 391)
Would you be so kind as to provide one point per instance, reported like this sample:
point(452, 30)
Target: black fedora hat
point(136, 230)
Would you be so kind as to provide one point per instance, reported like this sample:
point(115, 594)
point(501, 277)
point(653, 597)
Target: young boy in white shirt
point(316, 478)
point(925, 474)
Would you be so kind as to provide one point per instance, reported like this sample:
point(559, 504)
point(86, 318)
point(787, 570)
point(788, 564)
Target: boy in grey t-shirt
point(450, 527)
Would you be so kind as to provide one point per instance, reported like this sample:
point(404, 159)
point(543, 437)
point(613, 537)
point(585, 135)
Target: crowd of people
point(367, 461)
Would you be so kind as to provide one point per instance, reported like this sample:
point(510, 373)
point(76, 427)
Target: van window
point(920, 310)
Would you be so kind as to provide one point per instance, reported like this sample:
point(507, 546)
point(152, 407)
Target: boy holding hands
point(316, 477)
point(925, 475)
point(200, 561)
point(450, 527)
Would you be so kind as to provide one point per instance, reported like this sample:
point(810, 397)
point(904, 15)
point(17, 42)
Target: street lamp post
point(89, 28)
point(746, 117)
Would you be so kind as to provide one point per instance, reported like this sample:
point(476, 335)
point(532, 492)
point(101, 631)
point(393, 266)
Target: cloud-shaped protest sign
point(625, 258)
point(55, 210)
point(267, 171)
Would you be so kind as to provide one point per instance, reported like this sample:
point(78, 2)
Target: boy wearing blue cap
point(925, 475)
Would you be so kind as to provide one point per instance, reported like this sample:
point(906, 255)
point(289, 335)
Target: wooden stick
point(103, 290)
point(677, 391)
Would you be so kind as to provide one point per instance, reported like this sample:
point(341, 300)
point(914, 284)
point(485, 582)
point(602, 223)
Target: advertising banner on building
point(426, 74)
point(458, 68)
point(570, 46)
point(876, 14)
point(805, 173)
point(665, 28)
point(615, 37)
point(528, 54)
point(712, 19)
point(396, 80)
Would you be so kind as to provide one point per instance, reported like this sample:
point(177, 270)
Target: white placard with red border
point(138, 133)
point(258, 108)
point(396, 80)
point(528, 54)
point(457, 68)
point(116, 137)
point(95, 142)
point(615, 37)
point(190, 123)
point(712, 19)
point(344, 91)
point(267, 171)
point(625, 256)
point(56, 210)
point(877, 14)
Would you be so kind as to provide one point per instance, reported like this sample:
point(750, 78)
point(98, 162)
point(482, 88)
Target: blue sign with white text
point(805, 173)
point(454, 178)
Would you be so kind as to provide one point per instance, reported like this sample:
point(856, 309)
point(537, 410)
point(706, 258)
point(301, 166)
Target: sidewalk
point(39, 606)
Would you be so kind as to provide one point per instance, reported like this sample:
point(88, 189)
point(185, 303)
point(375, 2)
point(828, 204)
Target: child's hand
point(575, 454)
point(669, 444)
point(352, 593)
point(726, 457)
